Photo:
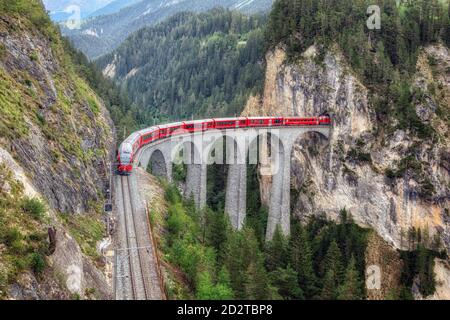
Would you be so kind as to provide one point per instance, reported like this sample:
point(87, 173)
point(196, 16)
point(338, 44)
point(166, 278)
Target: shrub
point(173, 194)
point(359, 156)
point(34, 56)
point(178, 222)
point(179, 172)
point(11, 237)
point(33, 207)
point(391, 174)
point(37, 263)
point(2, 50)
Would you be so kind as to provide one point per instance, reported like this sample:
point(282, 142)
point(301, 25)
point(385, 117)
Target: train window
point(149, 136)
point(277, 121)
point(226, 123)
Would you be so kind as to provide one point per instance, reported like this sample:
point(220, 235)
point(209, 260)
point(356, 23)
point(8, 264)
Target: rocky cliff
point(55, 140)
point(354, 168)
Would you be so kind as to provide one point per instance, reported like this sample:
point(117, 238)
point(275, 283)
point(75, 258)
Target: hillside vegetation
point(101, 35)
point(191, 65)
point(55, 134)
point(385, 59)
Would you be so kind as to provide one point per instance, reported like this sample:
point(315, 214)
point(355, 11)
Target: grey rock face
point(69, 183)
point(330, 176)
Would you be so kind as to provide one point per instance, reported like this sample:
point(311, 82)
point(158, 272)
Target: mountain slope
point(101, 35)
point(55, 143)
point(387, 160)
point(113, 7)
point(197, 65)
point(57, 8)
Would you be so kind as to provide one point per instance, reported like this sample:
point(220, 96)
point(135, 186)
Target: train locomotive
point(137, 140)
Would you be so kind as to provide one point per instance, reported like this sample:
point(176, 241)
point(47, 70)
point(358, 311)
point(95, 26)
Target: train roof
point(148, 130)
point(132, 138)
point(259, 118)
point(168, 125)
point(198, 121)
point(229, 119)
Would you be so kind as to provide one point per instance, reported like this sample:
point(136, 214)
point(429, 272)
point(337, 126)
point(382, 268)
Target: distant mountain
point(192, 64)
point(57, 8)
point(113, 7)
point(103, 34)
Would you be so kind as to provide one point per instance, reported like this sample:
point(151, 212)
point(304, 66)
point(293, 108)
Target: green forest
point(192, 65)
point(320, 260)
point(384, 59)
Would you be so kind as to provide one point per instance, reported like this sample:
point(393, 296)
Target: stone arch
point(266, 148)
point(218, 142)
point(186, 153)
point(186, 150)
point(218, 153)
point(157, 164)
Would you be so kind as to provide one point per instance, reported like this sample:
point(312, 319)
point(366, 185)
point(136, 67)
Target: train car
point(242, 122)
point(169, 130)
point(325, 119)
point(230, 123)
point(290, 121)
point(226, 123)
point(126, 153)
point(198, 125)
point(208, 124)
point(149, 135)
point(277, 121)
point(260, 122)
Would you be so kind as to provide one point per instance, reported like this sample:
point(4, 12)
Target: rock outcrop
point(349, 170)
point(55, 139)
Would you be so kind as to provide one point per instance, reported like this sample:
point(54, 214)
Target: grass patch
point(2, 51)
point(12, 123)
point(23, 238)
point(87, 230)
point(34, 56)
point(34, 207)
point(86, 94)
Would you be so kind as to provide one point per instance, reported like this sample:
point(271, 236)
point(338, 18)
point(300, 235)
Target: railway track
point(136, 288)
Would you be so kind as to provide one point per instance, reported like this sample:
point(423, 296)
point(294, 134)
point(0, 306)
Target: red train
point(133, 143)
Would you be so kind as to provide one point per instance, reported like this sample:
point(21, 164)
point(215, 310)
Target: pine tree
point(244, 261)
point(351, 288)
point(256, 282)
point(425, 270)
point(276, 251)
point(447, 28)
point(333, 260)
point(332, 265)
point(207, 290)
point(301, 261)
point(217, 230)
point(329, 288)
point(285, 280)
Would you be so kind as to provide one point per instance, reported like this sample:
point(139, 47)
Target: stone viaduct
point(243, 146)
